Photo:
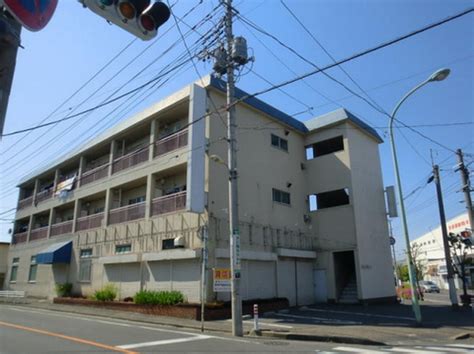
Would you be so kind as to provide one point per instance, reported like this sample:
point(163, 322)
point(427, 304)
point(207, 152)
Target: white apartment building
point(432, 257)
point(128, 207)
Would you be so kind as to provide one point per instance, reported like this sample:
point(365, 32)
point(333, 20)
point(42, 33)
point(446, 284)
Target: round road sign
point(34, 15)
point(392, 241)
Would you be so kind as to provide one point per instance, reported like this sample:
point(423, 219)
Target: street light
point(439, 75)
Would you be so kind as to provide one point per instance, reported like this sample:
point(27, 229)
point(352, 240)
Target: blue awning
point(56, 253)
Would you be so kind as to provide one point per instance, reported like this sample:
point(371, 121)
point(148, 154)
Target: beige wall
point(3, 258)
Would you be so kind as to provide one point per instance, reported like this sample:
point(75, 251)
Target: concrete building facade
point(431, 253)
point(4, 246)
point(133, 204)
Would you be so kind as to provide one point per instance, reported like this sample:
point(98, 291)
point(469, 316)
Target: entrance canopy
point(56, 253)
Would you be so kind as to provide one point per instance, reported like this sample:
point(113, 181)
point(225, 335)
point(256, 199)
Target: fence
point(168, 203)
point(61, 228)
point(89, 222)
point(127, 213)
point(172, 142)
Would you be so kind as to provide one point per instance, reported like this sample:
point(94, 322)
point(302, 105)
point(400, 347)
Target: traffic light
point(142, 18)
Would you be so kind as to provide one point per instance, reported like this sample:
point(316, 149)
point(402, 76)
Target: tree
point(403, 272)
point(460, 246)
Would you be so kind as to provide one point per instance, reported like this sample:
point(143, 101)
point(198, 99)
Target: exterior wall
point(3, 263)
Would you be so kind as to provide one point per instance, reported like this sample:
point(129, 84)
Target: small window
point(280, 196)
point(279, 142)
point(123, 248)
point(328, 199)
point(33, 269)
point(167, 244)
point(14, 271)
point(325, 147)
point(86, 253)
point(140, 199)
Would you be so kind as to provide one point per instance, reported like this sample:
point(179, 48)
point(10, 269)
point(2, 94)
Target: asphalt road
point(25, 330)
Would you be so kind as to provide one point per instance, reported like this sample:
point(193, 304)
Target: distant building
point(432, 253)
point(129, 206)
point(3, 262)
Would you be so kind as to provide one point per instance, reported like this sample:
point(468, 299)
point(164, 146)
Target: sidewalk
point(389, 324)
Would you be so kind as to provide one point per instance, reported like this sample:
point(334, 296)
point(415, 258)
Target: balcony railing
point(89, 222)
point(39, 233)
point(25, 202)
point(127, 213)
point(44, 195)
point(19, 237)
point(94, 175)
point(61, 228)
point(168, 203)
point(172, 142)
point(131, 159)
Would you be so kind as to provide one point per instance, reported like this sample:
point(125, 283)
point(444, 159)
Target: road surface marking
point(356, 350)
point(438, 301)
point(264, 323)
point(62, 336)
point(464, 346)
point(411, 350)
point(163, 342)
point(319, 319)
point(362, 314)
point(445, 349)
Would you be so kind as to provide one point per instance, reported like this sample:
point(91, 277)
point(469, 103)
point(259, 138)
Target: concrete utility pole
point(233, 193)
point(9, 43)
point(447, 255)
point(466, 187)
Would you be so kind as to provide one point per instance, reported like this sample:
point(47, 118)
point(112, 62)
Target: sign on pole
point(34, 15)
point(222, 279)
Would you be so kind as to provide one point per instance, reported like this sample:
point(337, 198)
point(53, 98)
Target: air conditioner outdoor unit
point(179, 242)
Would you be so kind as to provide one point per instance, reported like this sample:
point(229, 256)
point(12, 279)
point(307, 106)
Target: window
point(123, 248)
point(325, 147)
point(136, 200)
point(33, 269)
point(85, 265)
point(167, 244)
point(279, 142)
point(280, 196)
point(14, 272)
point(328, 199)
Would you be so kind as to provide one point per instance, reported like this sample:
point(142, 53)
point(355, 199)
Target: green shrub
point(107, 293)
point(63, 290)
point(150, 297)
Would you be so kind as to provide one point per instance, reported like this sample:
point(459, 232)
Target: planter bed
point(189, 311)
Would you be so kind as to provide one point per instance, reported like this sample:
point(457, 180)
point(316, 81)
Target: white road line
point(438, 301)
point(357, 350)
point(440, 349)
point(410, 350)
point(361, 314)
point(162, 342)
point(465, 346)
point(319, 319)
point(264, 323)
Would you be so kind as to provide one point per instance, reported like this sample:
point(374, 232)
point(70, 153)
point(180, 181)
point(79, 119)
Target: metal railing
point(131, 159)
point(171, 142)
point(61, 228)
point(39, 233)
point(19, 237)
point(44, 195)
point(127, 213)
point(25, 202)
point(89, 222)
point(168, 203)
point(94, 175)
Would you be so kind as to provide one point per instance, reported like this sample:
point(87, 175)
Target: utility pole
point(466, 187)
point(392, 243)
point(236, 300)
point(444, 230)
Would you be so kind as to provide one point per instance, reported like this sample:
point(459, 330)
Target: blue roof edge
point(260, 105)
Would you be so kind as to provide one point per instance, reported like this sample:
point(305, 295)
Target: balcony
point(24, 203)
point(38, 234)
point(134, 158)
point(127, 213)
point(61, 228)
point(44, 195)
point(94, 175)
point(19, 237)
point(89, 222)
point(168, 203)
point(172, 142)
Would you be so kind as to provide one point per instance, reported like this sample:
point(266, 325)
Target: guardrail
point(89, 222)
point(44, 195)
point(61, 228)
point(127, 213)
point(39, 233)
point(20, 237)
point(168, 203)
point(171, 142)
point(131, 159)
point(25, 202)
point(94, 175)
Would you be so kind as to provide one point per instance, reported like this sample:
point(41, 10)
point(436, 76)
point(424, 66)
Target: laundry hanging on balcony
point(65, 187)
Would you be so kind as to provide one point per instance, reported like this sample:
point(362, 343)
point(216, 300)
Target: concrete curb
point(315, 338)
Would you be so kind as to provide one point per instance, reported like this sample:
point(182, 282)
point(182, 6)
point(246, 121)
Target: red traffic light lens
point(127, 10)
point(148, 23)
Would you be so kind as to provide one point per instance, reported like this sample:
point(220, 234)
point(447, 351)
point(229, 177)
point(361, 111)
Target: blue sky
point(77, 43)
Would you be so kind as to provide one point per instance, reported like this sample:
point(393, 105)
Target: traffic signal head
point(142, 18)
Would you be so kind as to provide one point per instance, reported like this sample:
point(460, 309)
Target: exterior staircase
point(349, 293)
